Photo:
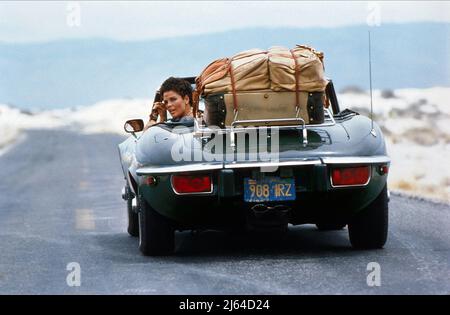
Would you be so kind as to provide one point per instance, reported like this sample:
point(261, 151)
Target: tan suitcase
point(263, 105)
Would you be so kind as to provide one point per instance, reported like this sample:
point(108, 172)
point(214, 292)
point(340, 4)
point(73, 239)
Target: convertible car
point(191, 176)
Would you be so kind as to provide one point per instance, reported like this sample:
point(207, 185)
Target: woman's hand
point(158, 109)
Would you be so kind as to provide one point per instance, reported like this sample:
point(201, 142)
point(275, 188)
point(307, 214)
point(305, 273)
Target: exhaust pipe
point(268, 218)
point(261, 210)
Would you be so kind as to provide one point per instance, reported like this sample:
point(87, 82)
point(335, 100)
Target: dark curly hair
point(177, 85)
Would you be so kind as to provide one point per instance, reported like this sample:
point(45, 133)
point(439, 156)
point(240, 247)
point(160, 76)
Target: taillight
point(350, 176)
point(191, 184)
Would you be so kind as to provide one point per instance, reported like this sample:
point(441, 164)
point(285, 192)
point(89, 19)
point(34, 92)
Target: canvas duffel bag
point(248, 83)
point(299, 69)
point(246, 71)
point(256, 69)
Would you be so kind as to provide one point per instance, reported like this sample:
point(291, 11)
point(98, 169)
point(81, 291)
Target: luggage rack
point(203, 132)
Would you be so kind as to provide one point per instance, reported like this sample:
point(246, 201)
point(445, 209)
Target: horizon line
point(118, 40)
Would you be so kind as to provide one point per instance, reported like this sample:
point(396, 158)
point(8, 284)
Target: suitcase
point(263, 105)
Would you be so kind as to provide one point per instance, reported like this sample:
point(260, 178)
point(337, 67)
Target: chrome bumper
point(204, 167)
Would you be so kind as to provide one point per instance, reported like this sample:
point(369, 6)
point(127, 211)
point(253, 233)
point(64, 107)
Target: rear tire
point(368, 229)
point(133, 218)
point(330, 226)
point(156, 234)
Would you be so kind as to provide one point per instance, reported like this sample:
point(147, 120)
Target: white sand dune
point(106, 116)
point(416, 123)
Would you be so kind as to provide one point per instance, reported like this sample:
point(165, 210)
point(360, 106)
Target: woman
point(176, 98)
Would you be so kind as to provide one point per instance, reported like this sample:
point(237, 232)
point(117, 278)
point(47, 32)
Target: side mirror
point(133, 125)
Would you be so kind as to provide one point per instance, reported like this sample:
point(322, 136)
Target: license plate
point(269, 189)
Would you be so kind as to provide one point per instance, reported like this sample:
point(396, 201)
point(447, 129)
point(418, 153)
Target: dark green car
point(257, 176)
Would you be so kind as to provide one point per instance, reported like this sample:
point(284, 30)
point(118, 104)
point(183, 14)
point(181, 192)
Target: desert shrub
point(388, 94)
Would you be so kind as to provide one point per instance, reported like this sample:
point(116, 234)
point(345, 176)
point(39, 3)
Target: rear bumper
point(206, 167)
point(316, 199)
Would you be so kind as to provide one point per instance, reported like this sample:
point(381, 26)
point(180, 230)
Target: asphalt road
point(60, 203)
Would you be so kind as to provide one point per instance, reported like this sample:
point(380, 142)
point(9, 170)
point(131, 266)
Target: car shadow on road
point(297, 242)
point(300, 242)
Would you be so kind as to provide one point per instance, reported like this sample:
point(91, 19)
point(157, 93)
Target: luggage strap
point(195, 101)
point(297, 96)
point(233, 87)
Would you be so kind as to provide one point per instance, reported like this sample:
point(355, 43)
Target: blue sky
point(44, 21)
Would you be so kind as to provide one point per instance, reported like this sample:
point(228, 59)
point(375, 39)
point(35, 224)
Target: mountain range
point(66, 73)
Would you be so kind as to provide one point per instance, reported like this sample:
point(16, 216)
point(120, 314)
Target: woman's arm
point(158, 110)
